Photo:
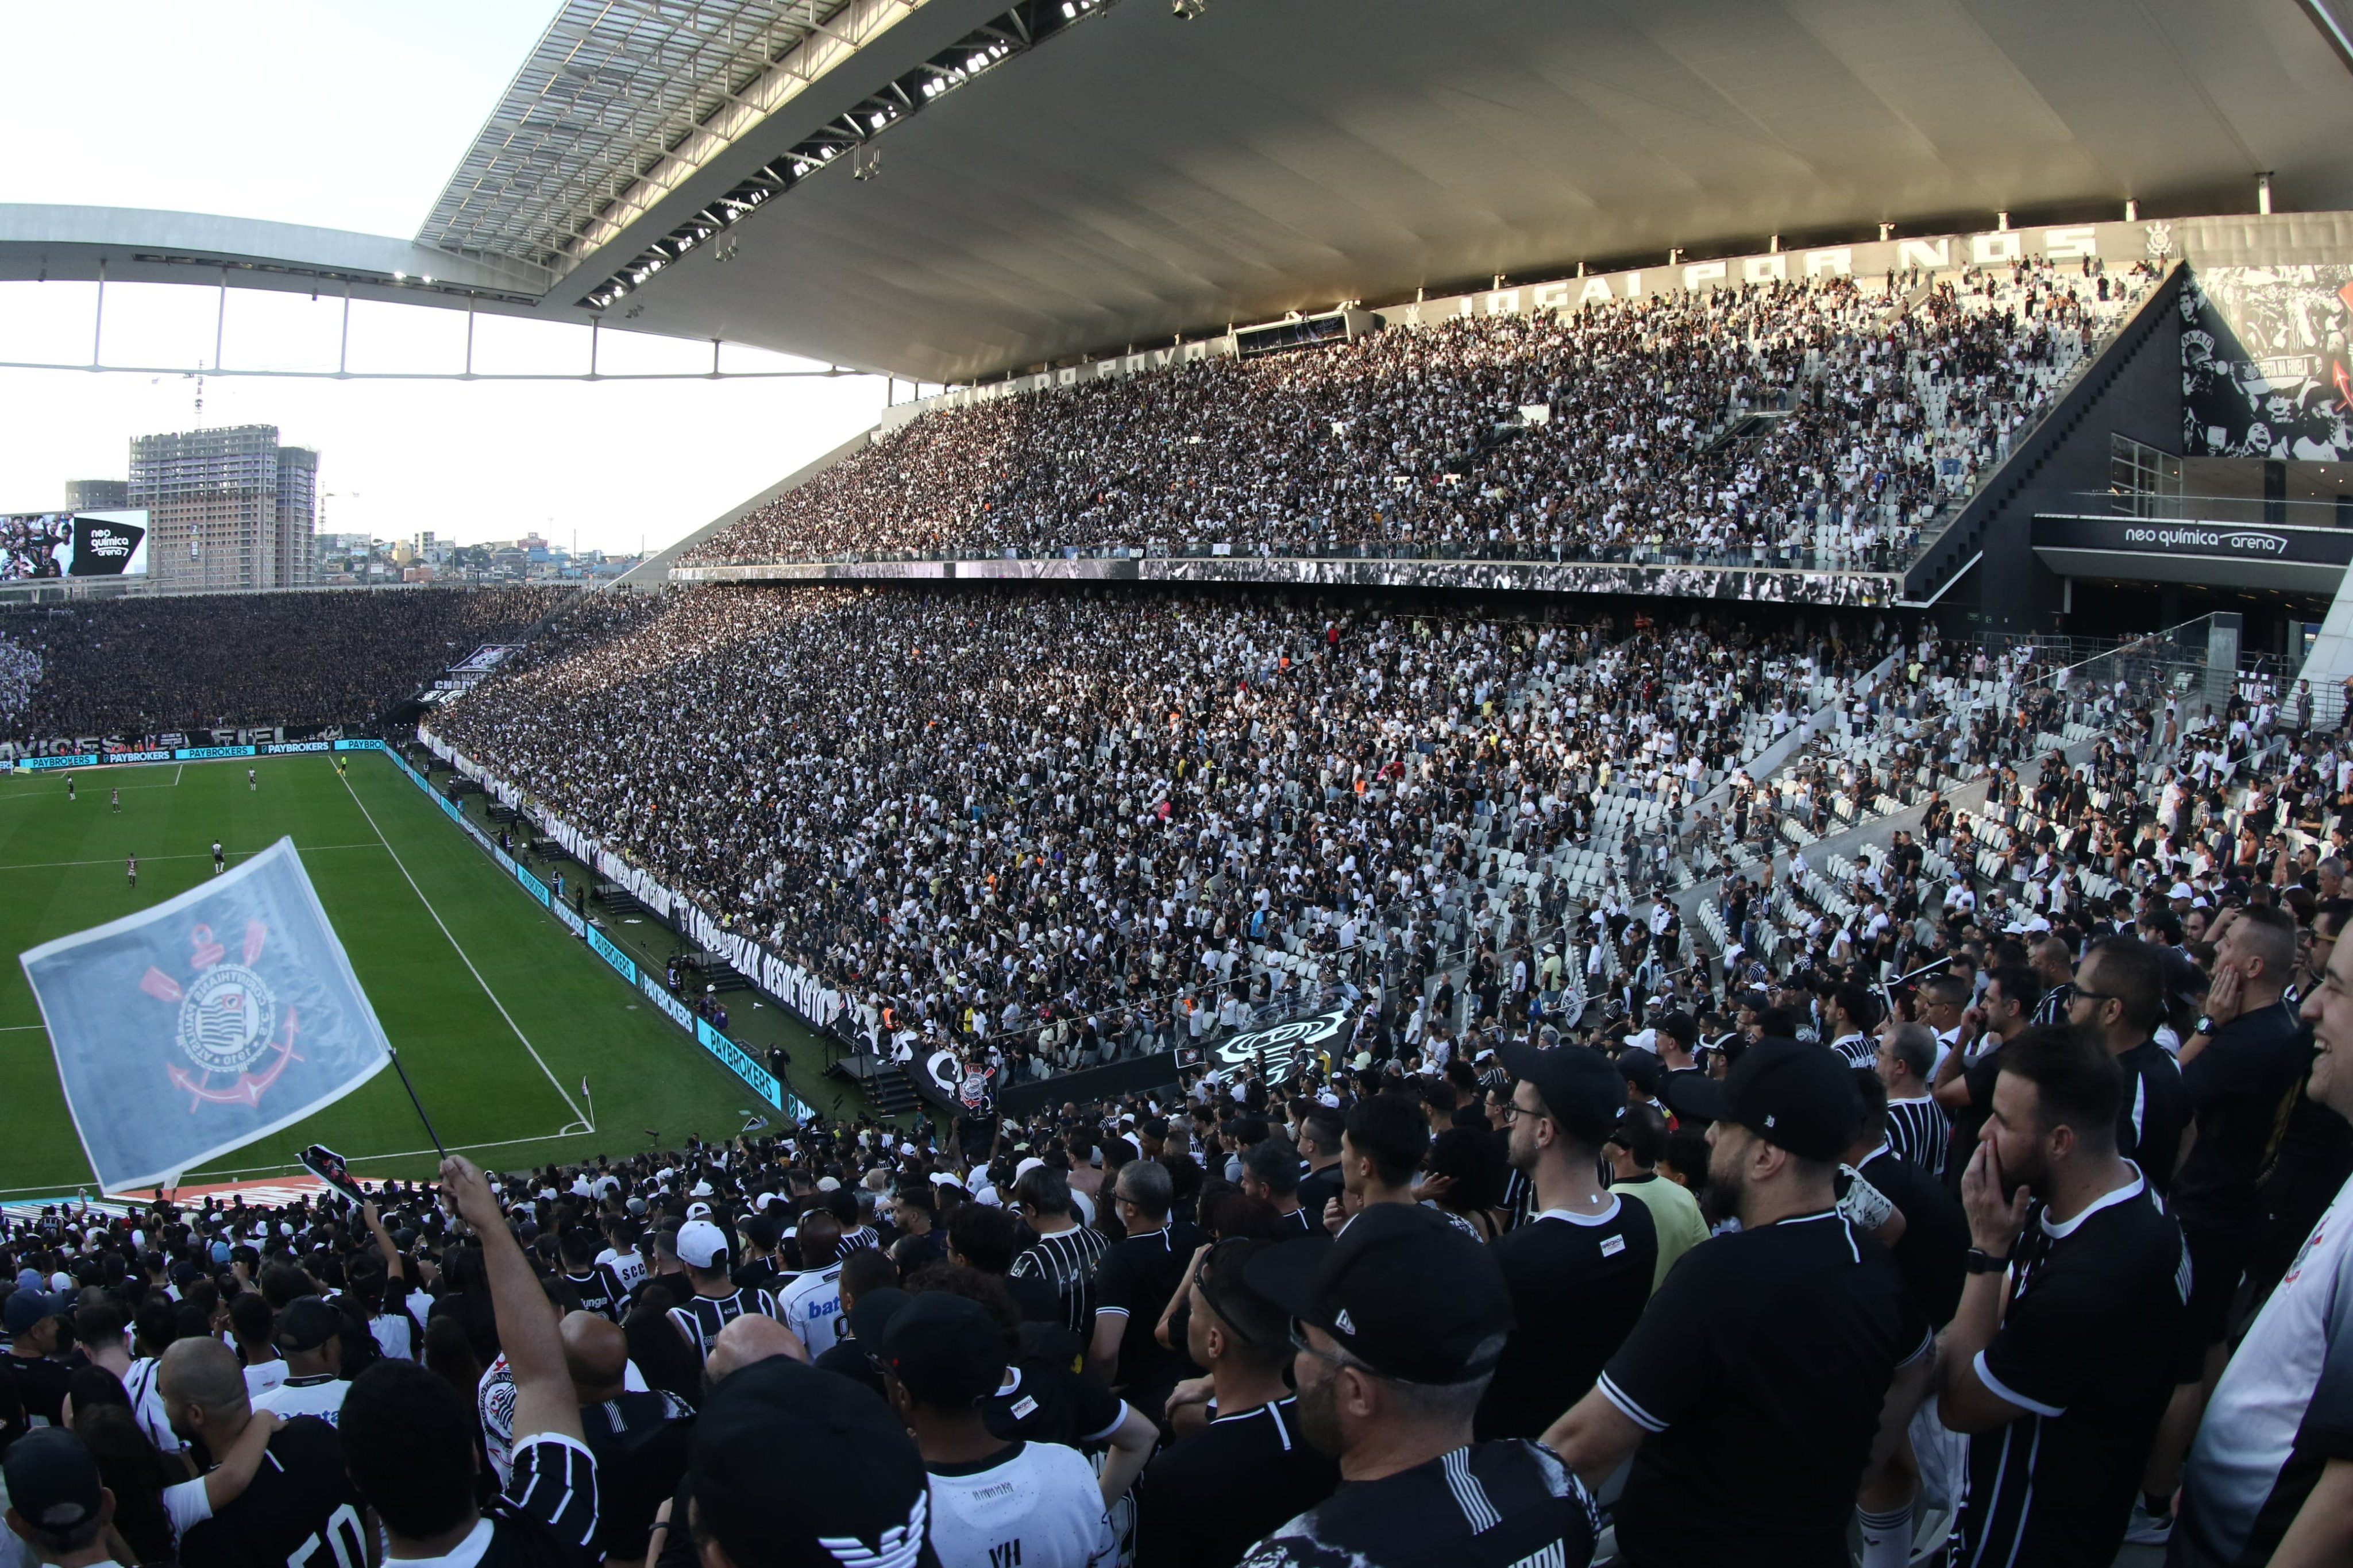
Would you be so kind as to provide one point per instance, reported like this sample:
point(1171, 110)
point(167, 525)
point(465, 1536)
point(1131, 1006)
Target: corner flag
point(214, 1018)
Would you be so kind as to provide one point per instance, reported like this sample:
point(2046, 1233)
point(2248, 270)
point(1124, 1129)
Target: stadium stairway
point(1951, 547)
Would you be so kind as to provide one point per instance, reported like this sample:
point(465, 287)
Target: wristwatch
point(1979, 1261)
point(2205, 1026)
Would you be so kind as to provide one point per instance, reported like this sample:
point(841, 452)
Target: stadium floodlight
point(1186, 10)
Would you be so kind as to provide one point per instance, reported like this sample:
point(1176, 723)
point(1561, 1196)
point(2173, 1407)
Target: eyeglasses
point(2092, 996)
point(1511, 1110)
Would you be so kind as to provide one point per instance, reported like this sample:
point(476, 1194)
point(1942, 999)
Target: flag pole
point(417, 1102)
point(591, 1099)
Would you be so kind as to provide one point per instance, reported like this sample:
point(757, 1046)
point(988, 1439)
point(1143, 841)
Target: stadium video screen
point(36, 544)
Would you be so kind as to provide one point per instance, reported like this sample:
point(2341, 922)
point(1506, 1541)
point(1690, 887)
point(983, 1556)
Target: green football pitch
point(498, 1012)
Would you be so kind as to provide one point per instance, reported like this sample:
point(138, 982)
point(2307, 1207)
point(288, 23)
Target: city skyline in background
point(396, 96)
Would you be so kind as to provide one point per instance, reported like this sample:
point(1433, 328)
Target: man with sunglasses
point(1399, 1325)
point(2119, 995)
point(1205, 1499)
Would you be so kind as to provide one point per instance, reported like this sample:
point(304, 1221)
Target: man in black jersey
point(37, 1331)
point(1065, 1253)
point(2061, 1359)
point(1205, 1499)
point(1398, 1326)
point(2118, 995)
point(1134, 1283)
point(1795, 1325)
point(1270, 1171)
point(298, 1502)
point(599, 1287)
point(407, 1438)
point(1918, 1130)
point(639, 1439)
point(717, 1301)
point(58, 1504)
point(1320, 1133)
point(1581, 1268)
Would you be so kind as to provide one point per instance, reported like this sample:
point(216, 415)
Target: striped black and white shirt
point(1919, 1132)
point(1066, 1260)
point(704, 1315)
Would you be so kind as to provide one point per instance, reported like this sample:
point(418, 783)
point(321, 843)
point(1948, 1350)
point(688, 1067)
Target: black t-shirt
point(39, 1384)
point(300, 1501)
point(1489, 1505)
point(1043, 1401)
point(1578, 1284)
point(1933, 1252)
point(1136, 1277)
point(1758, 1372)
point(1203, 1502)
point(2241, 1088)
point(847, 1358)
point(1317, 1189)
point(639, 1441)
point(2088, 1348)
point(2155, 1109)
point(547, 1516)
point(600, 1292)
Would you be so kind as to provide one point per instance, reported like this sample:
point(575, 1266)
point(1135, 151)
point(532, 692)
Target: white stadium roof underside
point(948, 190)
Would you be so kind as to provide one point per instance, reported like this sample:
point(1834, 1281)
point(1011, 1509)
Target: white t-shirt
point(811, 1307)
point(261, 1377)
point(321, 1394)
point(1038, 1504)
point(628, 1268)
point(395, 1335)
point(2294, 1370)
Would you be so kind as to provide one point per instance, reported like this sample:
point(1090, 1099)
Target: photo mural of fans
point(2265, 369)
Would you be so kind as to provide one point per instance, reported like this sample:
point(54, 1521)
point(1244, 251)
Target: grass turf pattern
point(497, 1049)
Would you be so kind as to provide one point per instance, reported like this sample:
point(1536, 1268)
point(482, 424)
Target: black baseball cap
point(1579, 1087)
point(305, 1323)
point(1401, 1289)
point(53, 1480)
point(1798, 1096)
point(946, 1351)
point(786, 1457)
point(28, 1307)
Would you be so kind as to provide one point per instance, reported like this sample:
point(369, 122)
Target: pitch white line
point(205, 1178)
point(582, 1122)
point(233, 854)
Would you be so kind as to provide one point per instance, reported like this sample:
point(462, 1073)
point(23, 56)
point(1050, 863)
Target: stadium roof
point(1031, 180)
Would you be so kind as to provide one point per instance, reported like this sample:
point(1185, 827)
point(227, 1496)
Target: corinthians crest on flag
point(214, 1018)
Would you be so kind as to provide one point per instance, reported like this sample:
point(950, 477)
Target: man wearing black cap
point(37, 1331)
point(1581, 1268)
point(309, 1333)
point(1399, 1325)
point(1780, 1342)
point(1205, 1499)
point(994, 1503)
point(795, 1469)
point(56, 1505)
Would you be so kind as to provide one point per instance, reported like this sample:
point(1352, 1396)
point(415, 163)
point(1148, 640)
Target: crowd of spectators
point(1812, 423)
point(147, 665)
point(2036, 1253)
point(1082, 827)
point(20, 670)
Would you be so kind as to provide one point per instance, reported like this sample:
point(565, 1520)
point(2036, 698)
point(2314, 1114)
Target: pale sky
point(347, 116)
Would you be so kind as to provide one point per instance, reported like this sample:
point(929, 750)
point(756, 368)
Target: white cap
point(828, 1184)
point(2178, 890)
point(700, 1242)
point(1028, 1165)
point(700, 1190)
point(698, 1211)
point(760, 1204)
point(943, 1179)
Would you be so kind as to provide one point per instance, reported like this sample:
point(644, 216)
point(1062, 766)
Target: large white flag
point(214, 1018)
